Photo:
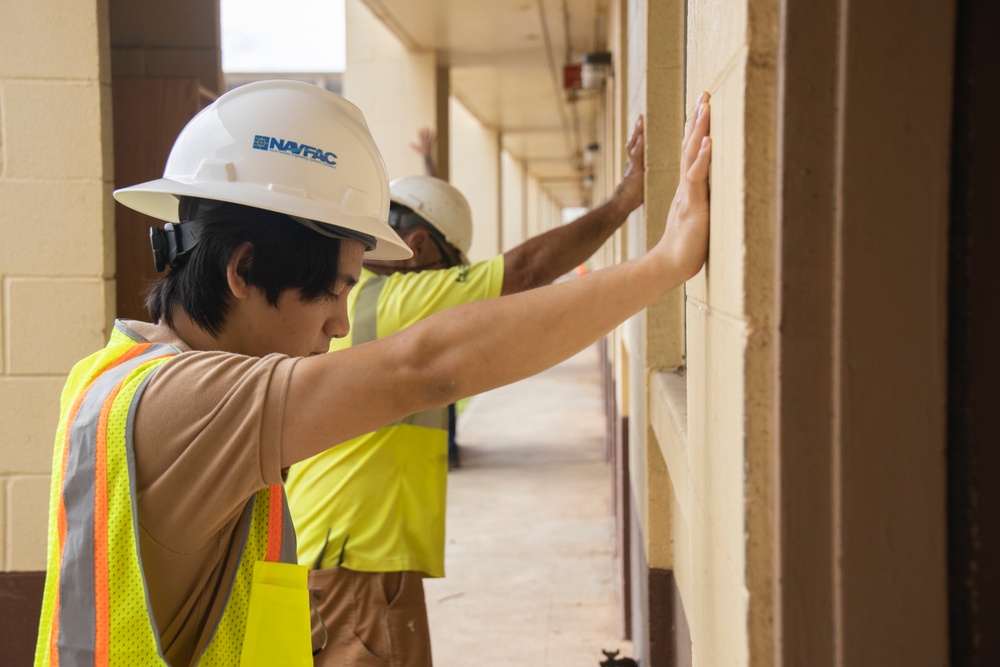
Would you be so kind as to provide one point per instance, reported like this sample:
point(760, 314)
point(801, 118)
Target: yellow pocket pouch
point(278, 631)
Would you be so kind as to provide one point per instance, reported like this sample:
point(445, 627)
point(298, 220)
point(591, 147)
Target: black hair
point(286, 255)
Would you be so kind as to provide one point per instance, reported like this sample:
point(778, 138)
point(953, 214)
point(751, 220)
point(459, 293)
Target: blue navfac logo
point(275, 145)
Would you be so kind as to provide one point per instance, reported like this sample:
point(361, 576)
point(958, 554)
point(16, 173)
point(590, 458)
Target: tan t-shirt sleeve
point(207, 437)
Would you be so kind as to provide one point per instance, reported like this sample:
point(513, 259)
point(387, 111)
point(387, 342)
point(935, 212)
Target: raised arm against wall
point(543, 258)
point(474, 348)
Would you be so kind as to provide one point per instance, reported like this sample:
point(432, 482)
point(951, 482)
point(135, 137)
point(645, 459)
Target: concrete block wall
point(701, 440)
point(57, 256)
point(732, 52)
point(654, 339)
point(532, 208)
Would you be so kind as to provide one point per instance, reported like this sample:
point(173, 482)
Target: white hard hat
point(439, 203)
point(283, 146)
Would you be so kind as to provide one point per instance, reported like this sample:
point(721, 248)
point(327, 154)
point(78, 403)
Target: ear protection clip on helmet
point(172, 243)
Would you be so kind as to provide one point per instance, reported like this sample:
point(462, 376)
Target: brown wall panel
point(21, 595)
point(148, 115)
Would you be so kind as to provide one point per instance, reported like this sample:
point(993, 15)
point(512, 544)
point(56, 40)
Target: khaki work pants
point(373, 619)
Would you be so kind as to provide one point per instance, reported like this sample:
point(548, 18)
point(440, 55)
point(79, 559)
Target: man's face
point(300, 328)
point(430, 251)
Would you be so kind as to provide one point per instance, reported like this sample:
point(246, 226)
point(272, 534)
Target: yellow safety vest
point(376, 503)
point(94, 609)
point(366, 331)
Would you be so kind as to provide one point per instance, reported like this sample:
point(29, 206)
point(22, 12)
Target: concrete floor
point(530, 559)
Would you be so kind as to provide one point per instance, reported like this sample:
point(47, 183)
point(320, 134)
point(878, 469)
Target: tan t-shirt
point(207, 437)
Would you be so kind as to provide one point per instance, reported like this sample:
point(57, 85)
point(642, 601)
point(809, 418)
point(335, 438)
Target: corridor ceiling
point(506, 60)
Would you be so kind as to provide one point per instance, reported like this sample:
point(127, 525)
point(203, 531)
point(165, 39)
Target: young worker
point(169, 537)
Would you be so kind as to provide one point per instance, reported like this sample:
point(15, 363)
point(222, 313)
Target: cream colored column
point(613, 156)
point(395, 88)
point(533, 218)
point(513, 197)
point(723, 477)
point(654, 339)
point(56, 257)
point(475, 171)
point(552, 217)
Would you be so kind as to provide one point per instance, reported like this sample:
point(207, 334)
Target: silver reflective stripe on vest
point(130, 458)
point(366, 330)
point(366, 311)
point(76, 582)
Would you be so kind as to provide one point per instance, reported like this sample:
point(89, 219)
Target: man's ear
point(237, 270)
point(418, 239)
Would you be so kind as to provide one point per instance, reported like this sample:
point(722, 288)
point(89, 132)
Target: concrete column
point(475, 160)
point(57, 254)
point(514, 197)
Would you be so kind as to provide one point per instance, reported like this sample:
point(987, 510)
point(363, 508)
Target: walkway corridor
point(530, 535)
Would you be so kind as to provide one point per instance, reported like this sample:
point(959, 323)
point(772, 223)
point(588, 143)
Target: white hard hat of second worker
point(439, 203)
point(282, 146)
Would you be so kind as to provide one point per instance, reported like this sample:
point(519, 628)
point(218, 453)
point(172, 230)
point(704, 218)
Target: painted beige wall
point(513, 225)
point(394, 87)
point(475, 171)
point(700, 440)
point(551, 212)
point(56, 259)
point(653, 340)
point(532, 208)
point(724, 550)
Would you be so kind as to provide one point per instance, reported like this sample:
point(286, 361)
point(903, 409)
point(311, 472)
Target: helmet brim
point(159, 199)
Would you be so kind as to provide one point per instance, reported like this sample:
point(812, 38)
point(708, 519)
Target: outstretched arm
point(543, 258)
point(480, 346)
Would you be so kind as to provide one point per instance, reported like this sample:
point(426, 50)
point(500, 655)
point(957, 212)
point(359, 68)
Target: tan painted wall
point(475, 171)
point(513, 219)
point(700, 440)
point(618, 126)
point(551, 212)
point(653, 86)
point(394, 87)
point(56, 258)
point(731, 53)
point(532, 207)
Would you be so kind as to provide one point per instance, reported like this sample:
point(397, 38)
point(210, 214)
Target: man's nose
point(338, 324)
